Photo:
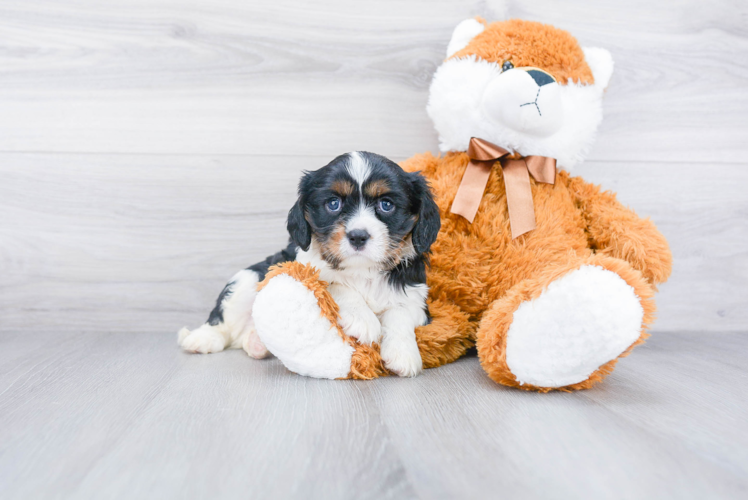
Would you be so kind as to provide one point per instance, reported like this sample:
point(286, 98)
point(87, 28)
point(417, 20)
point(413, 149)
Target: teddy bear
point(548, 277)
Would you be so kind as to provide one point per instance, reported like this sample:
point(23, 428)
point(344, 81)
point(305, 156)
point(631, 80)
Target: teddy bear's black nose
point(358, 238)
point(540, 77)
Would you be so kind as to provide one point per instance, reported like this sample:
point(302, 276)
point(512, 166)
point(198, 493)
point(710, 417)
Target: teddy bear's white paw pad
point(580, 322)
point(289, 322)
point(361, 323)
point(203, 340)
point(401, 356)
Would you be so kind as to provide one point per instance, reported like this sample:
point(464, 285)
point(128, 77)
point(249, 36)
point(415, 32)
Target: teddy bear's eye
point(507, 66)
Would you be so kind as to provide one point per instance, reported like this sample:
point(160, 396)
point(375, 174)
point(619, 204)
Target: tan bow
point(483, 155)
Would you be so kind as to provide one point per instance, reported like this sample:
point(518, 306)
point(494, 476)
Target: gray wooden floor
point(126, 415)
point(150, 148)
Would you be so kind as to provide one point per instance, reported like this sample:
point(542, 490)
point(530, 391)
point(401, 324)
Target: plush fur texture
point(528, 43)
point(554, 308)
point(472, 91)
point(545, 345)
point(497, 321)
point(463, 33)
point(347, 357)
point(303, 338)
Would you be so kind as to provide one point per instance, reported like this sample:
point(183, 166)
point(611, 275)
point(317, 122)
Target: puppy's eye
point(333, 205)
point(507, 66)
point(386, 206)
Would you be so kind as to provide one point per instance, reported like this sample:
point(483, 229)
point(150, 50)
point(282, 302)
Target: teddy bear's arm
point(613, 229)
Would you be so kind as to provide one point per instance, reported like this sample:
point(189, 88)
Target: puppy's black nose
point(358, 238)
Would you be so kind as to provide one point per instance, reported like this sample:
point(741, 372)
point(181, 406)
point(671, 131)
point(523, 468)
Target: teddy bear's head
point(525, 86)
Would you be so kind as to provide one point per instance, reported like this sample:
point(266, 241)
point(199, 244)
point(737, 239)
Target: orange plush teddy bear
point(549, 277)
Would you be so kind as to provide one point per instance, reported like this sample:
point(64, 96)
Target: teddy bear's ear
point(601, 63)
point(463, 33)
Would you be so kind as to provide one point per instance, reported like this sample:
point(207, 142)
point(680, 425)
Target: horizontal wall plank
point(223, 77)
point(115, 242)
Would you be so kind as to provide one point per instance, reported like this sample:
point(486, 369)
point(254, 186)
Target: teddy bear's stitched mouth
point(535, 102)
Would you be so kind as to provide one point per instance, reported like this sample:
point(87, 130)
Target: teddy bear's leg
point(447, 337)
point(297, 320)
point(566, 328)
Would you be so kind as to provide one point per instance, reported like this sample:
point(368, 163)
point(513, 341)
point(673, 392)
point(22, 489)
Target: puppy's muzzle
point(358, 238)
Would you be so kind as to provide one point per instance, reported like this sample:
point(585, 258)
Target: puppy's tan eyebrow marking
point(376, 189)
point(343, 188)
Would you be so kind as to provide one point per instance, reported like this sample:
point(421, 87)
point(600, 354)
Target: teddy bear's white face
point(526, 100)
point(521, 109)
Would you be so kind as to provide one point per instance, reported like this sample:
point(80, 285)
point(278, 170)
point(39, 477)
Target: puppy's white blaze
point(376, 248)
point(358, 168)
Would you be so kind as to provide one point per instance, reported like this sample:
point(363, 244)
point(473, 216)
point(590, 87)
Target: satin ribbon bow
point(483, 155)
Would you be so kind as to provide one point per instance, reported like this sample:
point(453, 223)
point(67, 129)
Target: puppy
point(367, 225)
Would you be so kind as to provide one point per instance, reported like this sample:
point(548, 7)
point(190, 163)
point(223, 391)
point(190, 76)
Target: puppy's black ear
point(298, 227)
point(428, 223)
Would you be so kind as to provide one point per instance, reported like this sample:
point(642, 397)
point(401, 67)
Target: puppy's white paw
point(401, 355)
point(204, 340)
point(360, 323)
point(182, 334)
point(254, 347)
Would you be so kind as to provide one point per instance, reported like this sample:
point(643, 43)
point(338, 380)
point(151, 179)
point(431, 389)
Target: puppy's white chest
point(376, 293)
point(371, 286)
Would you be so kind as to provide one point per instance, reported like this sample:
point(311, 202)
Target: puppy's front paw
point(401, 355)
point(360, 323)
point(204, 340)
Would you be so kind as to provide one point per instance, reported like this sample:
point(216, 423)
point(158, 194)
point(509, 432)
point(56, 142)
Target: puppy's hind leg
point(230, 323)
point(237, 315)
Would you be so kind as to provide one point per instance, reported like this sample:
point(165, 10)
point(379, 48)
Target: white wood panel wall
point(150, 148)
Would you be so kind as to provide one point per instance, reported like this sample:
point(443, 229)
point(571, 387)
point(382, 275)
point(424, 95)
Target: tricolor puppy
point(367, 225)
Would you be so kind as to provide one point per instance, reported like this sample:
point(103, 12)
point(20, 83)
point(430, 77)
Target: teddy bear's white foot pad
point(289, 322)
point(580, 322)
